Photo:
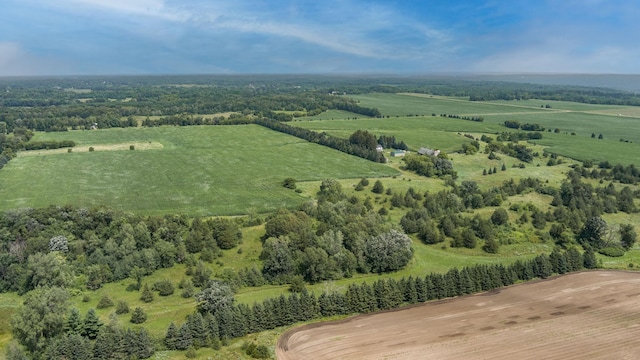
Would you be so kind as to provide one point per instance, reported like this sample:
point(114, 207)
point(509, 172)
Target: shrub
point(147, 295)
point(105, 302)
point(612, 251)
point(163, 287)
point(289, 183)
point(138, 316)
point(91, 148)
point(122, 308)
point(131, 147)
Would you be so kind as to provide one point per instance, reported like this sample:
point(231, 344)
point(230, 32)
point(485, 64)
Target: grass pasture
point(198, 170)
point(614, 122)
point(423, 104)
point(421, 131)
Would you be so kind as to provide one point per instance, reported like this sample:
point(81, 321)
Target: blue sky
point(77, 37)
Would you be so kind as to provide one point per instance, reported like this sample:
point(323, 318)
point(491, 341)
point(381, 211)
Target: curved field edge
point(562, 316)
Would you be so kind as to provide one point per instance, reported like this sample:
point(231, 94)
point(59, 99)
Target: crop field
point(421, 104)
point(582, 315)
point(433, 132)
point(619, 125)
point(220, 170)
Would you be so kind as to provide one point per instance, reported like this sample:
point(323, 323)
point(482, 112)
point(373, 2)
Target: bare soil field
point(587, 315)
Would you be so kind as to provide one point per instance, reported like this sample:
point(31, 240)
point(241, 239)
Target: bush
point(122, 308)
point(612, 251)
point(105, 302)
point(289, 183)
point(163, 287)
point(91, 148)
point(131, 147)
point(138, 316)
point(147, 295)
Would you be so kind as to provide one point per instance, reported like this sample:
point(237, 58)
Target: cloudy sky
point(77, 37)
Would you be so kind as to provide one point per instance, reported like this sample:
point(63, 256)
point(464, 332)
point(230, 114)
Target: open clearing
point(587, 315)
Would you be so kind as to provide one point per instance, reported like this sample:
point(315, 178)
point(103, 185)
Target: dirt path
point(588, 315)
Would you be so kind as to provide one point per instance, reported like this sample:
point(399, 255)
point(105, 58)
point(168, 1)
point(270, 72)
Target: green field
point(199, 170)
point(420, 104)
point(582, 120)
point(432, 132)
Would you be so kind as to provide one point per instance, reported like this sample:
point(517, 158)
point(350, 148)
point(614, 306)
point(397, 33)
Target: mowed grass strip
point(199, 170)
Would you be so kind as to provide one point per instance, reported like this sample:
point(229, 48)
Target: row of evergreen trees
point(207, 328)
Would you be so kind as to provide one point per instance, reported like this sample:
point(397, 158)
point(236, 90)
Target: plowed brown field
point(587, 315)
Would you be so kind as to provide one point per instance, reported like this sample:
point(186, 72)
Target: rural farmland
point(592, 315)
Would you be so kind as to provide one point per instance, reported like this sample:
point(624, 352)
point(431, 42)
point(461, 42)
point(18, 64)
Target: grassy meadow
point(199, 170)
point(409, 118)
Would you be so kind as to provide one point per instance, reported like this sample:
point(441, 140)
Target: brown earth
point(587, 315)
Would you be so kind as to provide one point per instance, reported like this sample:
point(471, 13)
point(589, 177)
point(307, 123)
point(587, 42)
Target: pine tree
point(147, 294)
point(184, 340)
point(199, 332)
point(73, 324)
point(589, 258)
point(91, 325)
point(171, 338)
point(138, 316)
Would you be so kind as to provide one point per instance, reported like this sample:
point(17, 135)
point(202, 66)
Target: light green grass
point(200, 170)
point(334, 114)
point(421, 104)
point(416, 132)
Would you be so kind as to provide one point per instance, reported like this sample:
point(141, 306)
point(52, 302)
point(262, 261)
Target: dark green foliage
point(363, 139)
point(147, 295)
point(289, 183)
point(226, 232)
point(91, 325)
point(104, 302)
point(122, 307)
point(491, 246)
point(429, 166)
point(323, 139)
point(163, 287)
point(73, 323)
point(500, 217)
point(70, 346)
point(199, 330)
point(589, 258)
point(138, 316)
point(378, 188)
point(468, 238)
point(593, 233)
point(171, 338)
point(40, 319)
point(188, 290)
point(628, 236)
point(202, 274)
